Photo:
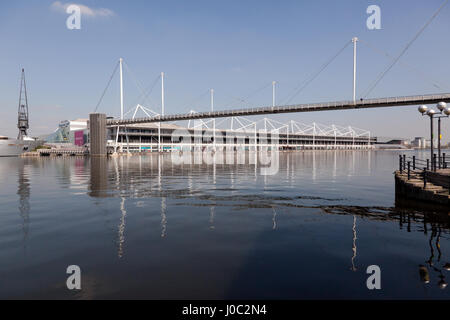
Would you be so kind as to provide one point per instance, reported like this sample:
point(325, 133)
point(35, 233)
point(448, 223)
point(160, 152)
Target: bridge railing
point(425, 168)
point(364, 103)
point(418, 164)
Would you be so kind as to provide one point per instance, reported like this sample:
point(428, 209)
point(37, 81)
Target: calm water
point(143, 227)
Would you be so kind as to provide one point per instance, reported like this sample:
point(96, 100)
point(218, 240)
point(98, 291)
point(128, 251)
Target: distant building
point(145, 138)
point(71, 132)
point(392, 143)
point(419, 143)
point(402, 142)
point(150, 137)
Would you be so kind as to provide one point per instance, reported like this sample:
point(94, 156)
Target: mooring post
point(97, 134)
point(404, 162)
point(409, 170)
point(400, 163)
point(414, 162)
point(434, 162)
point(424, 178)
point(444, 164)
point(428, 164)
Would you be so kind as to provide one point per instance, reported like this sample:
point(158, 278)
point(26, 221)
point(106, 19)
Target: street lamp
point(442, 107)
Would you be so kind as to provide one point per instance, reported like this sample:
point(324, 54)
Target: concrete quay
point(434, 189)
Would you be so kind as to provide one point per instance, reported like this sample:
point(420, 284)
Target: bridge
point(99, 123)
point(312, 107)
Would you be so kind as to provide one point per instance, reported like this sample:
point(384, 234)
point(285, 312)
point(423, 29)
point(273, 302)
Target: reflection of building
point(70, 131)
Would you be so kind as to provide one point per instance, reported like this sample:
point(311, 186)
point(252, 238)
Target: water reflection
point(436, 266)
point(274, 220)
point(354, 244)
point(211, 217)
point(98, 185)
point(121, 234)
point(23, 191)
point(339, 184)
point(163, 217)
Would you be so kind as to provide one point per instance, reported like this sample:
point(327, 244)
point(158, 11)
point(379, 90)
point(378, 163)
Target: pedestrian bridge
point(311, 107)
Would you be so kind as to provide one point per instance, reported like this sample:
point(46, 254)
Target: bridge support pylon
point(97, 134)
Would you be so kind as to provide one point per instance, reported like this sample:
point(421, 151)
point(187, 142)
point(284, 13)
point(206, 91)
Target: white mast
point(214, 120)
point(121, 88)
point(162, 93)
point(354, 40)
point(162, 111)
point(273, 93)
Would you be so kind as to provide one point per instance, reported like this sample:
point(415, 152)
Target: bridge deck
point(327, 106)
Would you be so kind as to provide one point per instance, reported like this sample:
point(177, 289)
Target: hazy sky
point(235, 47)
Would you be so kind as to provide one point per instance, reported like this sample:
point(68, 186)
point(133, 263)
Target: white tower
point(354, 40)
point(121, 88)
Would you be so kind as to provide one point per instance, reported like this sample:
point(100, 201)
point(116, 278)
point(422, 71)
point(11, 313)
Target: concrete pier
point(97, 134)
point(435, 190)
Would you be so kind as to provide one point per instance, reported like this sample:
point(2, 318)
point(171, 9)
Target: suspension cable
point(138, 84)
point(245, 100)
point(107, 86)
point(408, 45)
point(145, 95)
point(194, 100)
point(315, 75)
point(149, 91)
point(424, 76)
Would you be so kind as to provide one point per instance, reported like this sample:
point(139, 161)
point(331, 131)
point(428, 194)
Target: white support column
point(354, 40)
point(287, 137)
point(159, 136)
point(314, 136)
point(121, 87)
point(273, 93)
point(162, 93)
point(334, 129)
point(214, 120)
point(256, 140)
point(162, 112)
point(128, 141)
point(353, 140)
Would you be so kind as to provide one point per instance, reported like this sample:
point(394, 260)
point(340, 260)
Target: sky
point(235, 47)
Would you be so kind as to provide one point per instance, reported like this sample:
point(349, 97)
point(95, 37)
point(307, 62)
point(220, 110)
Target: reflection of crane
point(22, 122)
point(23, 191)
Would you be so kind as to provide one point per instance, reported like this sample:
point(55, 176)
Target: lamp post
point(442, 107)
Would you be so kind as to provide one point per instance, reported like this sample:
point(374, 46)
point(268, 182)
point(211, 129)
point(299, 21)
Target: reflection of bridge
point(137, 181)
